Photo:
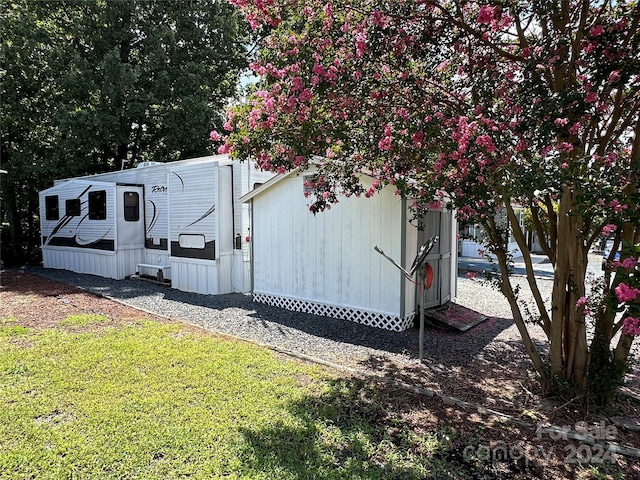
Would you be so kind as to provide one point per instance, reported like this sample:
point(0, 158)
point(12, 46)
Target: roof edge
point(271, 182)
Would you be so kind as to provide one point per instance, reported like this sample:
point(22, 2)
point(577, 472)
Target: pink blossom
point(385, 143)
point(575, 128)
point(305, 95)
point(296, 83)
point(361, 47)
point(625, 293)
point(486, 14)
point(487, 142)
point(617, 206)
point(215, 136)
point(328, 9)
point(442, 65)
point(471, 275)
point(614, 76)
point(435, 205)
point(631, 326)
point(564, 166)
point(561, 122)
point(565, 147)
point(591, 97)
point(521, 146)
point(628, 263)
point(608, 229)
point(596, 31)
point(581, 302)
point(224, 148)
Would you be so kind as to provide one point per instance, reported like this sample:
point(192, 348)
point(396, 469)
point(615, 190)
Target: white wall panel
point(193, 190)
point(106, 264)
point(327, 258)
point(127, 260)
point(231, 273)
point(196, 276)
point(80, 261)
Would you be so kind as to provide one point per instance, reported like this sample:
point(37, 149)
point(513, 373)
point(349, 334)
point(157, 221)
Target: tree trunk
point(568, 339)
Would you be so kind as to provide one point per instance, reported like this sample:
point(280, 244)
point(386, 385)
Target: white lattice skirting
point(372, 319)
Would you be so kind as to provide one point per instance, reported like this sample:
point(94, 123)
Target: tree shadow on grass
point(355, 429)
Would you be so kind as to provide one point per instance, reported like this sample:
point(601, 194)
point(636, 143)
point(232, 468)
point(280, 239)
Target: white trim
point(196, 261)
point(365, 317)
point(92, 251)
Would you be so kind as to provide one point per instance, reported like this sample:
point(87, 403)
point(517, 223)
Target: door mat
point(454, 316)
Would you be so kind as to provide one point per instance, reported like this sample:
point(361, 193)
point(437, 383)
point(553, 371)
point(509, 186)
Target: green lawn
point(149, 400)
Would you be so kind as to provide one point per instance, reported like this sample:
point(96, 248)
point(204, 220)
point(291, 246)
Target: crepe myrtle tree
point(486, 105)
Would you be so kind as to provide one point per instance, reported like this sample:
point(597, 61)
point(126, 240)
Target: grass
point(82, 320)
point(149, 400)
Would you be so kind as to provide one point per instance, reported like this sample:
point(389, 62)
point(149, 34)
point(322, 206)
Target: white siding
point(249, 177)
point(80, 261)
point(79, 228)
point(193, 192)
point(225, 209)
point(105, 264)
point(195, 275)
point(156, 207)
point(328, 258)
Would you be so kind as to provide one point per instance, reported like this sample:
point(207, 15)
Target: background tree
point(87, 86)
point(483, 105)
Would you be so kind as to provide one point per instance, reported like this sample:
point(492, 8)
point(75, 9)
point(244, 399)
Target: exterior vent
point(148, 164)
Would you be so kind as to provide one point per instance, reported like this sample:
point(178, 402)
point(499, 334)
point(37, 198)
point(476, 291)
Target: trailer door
point(438, 223)
point(130, 216)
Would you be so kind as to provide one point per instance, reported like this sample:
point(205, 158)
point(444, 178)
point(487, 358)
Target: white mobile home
point(326, 264)
point(182, 221)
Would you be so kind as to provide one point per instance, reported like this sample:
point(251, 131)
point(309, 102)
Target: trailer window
point(72, 207)
point(191, 241)
point(52, 209)
point(98, 205)
point(131, 206)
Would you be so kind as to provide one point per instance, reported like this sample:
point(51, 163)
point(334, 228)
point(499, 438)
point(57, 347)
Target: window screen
point(98, 205)
point(52, 209)
point(72, 207)
point(131, 206)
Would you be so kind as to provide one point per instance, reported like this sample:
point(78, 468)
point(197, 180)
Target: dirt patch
point(36, 302)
